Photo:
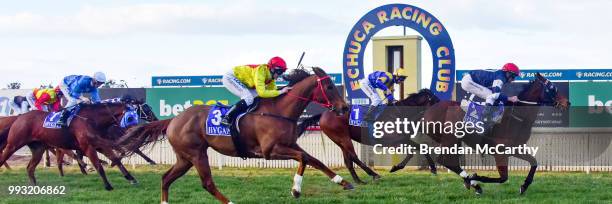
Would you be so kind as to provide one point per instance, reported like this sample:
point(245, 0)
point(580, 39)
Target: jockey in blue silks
point(74, 86)
point(487, 84)
point(383, 81)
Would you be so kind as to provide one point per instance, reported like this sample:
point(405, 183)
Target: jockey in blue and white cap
point(74, 86)
point(383, 81)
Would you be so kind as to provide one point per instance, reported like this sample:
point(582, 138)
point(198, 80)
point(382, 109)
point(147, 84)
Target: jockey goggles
point(277, 70)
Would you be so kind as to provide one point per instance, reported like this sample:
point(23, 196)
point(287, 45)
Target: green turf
point(273, 186)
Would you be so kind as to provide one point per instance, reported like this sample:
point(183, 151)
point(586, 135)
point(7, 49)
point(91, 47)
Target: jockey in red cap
point(250, 81)
point(487, 84)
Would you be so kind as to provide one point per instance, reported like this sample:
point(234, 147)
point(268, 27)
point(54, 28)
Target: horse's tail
point(312, 120)
point(143, 135)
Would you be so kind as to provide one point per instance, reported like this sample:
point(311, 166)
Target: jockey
point(20, 105)
point(487, 84)
point(250, 81)
point(383, 81)
point(74, 86)
point(46, 99)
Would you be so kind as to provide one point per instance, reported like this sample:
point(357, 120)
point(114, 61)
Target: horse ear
point(318, 71)
point(539, 76)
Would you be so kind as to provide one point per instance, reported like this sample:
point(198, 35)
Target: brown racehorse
point(337, 128)
point(268, 132)
point(5, 125)
point(84, 134)
point(514, 130)
point(112, 133)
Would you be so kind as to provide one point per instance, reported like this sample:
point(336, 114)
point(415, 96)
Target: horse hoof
point(295, 194)
point(108, 188)
point(376, 177)
point(134, 182)
point(395, 168)
point(522, 190)
point(478, 189)
point(466, 183)
point(349, 186)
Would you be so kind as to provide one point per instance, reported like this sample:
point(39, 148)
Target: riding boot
point(488, 119)
point(63, 120)
point(230, 116)
point(368, 117)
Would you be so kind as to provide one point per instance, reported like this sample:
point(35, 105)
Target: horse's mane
point(296, 75)
point(111, 102)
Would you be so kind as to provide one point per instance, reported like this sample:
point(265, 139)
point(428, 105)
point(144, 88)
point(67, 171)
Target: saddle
point(475, 110)
point(214, 126)
point(52, 119)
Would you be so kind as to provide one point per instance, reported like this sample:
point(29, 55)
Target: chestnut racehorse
point(513, 130)
point(268, 132)
point(84, 134)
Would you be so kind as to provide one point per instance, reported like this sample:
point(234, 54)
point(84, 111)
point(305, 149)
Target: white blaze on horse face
point(337, 179)
point(297, 183)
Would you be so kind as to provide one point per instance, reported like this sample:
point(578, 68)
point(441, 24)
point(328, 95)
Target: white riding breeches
point(375, 99)
point(32, 100)
point(19, 108)
point(467, 84)
point(71, 100)
point(238, 88)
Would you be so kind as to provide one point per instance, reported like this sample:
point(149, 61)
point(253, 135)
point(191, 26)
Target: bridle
point(314, 98)
point(551, 92)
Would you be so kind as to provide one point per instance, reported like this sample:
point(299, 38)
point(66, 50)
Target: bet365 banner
point(170, 102)
point(591, 104)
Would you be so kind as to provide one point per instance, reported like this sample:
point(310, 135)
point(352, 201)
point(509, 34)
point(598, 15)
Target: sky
point(42, 41)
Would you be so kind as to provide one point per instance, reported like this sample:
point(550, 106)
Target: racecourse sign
point(212, 80)
point(558, 74)
point(427, 25)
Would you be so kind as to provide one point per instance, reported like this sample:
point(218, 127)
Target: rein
point(313, 97)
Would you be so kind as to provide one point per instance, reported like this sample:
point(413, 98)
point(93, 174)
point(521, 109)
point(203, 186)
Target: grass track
point(273, 185)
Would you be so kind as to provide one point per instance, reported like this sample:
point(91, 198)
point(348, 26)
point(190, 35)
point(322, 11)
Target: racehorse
point(5, 125)
point(267, 132)
point(337, 128)
point(113, 133)
point(84, 134)
point(513, 130)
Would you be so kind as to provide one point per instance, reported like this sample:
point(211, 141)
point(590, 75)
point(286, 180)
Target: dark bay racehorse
point(84, 134)
point(337, 128)
point(268, 132)
point(514, 130)
point(112, 133)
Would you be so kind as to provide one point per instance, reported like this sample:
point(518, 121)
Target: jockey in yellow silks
point(250, 81)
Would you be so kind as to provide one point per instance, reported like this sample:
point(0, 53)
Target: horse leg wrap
point(297, 183)
point(473, 182)
point(337, 179)
point(463, 174)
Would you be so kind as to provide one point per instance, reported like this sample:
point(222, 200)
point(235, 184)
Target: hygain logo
point(175, 109)
point(599, 105)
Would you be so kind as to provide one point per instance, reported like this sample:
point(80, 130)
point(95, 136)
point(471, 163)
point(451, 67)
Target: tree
point(43, 86)
point(13, 85)
point(111, 83)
